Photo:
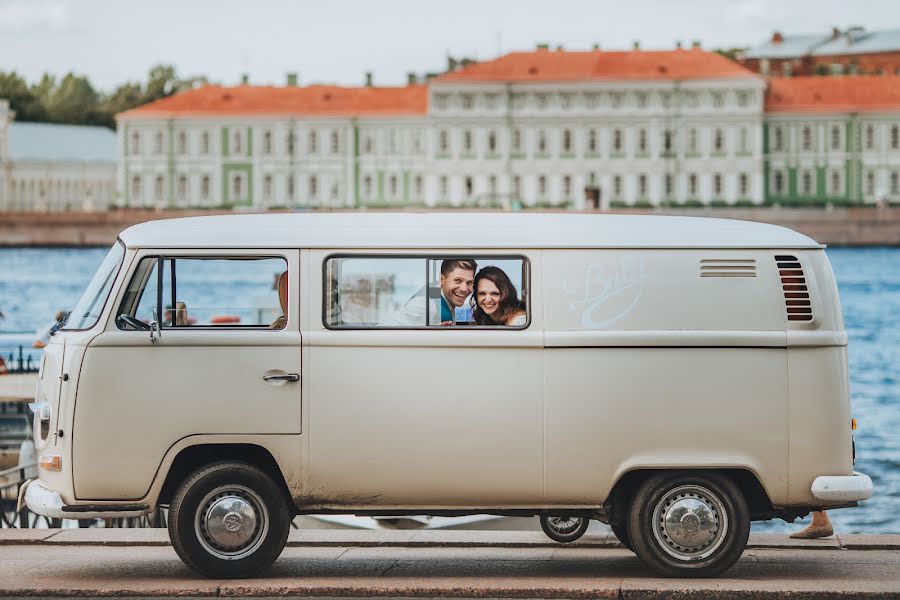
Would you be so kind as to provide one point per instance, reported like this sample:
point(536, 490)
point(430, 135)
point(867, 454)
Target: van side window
point(207, 293)
point(389, 292)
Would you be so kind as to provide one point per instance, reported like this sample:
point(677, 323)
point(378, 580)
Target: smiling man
point(457, 277)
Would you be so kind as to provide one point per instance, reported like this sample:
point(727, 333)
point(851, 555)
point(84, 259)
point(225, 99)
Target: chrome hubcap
point(564, 525)
point(690, 522)
point(231, 522)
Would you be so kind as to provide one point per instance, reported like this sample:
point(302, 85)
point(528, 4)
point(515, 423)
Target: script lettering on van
point(604, 293)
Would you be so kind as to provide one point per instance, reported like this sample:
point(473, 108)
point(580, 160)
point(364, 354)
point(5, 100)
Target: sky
point(337, 41)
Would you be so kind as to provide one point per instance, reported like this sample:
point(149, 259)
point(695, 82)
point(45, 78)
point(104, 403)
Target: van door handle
point(282, 377)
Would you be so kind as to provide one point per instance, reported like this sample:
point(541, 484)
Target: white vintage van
point(676, 378)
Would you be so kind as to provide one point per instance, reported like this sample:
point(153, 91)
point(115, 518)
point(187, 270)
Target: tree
point(27, 106)
point(74, 100)
point(162, 81)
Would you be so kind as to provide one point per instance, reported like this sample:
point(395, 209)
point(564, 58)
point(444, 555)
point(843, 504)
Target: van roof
point(425, 230)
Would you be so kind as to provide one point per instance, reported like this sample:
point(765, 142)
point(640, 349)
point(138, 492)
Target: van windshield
point(89, 307)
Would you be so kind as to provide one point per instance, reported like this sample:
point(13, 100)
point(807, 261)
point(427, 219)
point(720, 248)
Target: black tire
point(564, 529)
point(621, 533)
point(229, 520)
point(710, 534)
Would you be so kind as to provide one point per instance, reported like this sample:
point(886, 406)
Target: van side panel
point(613, 410)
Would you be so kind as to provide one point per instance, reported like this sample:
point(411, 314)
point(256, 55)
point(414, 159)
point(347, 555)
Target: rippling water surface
point(35, 283)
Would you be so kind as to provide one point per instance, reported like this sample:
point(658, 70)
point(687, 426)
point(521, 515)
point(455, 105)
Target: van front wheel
point(689, 524)
point(228, 519)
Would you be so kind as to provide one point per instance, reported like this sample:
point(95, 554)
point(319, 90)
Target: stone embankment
point(440, 564)
point(835, 227)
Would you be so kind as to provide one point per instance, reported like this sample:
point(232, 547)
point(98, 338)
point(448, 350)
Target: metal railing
point(20, 359)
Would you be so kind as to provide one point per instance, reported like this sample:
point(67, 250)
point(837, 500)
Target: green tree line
point(72, 99)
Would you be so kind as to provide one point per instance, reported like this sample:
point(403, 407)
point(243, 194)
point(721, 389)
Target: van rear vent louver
point(728, 267)
point(797, 303)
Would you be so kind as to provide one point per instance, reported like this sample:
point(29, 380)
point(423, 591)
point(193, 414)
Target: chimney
point(451, 64)
point(411, 78)
point(695, 44)
point(543, 47)
point(559, 48)
point(835, 33)
point(292, 79)
point(595, 47)
point(678, 45)
point(636, 45)
point(245, 79)
point(777, 38)
point(368, 78)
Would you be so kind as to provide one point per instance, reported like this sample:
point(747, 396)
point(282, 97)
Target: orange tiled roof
point(848, 93)
point(561, 65)
point(314, 100)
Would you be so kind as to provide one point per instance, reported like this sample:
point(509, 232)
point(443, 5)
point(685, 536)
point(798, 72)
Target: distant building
point(854, 52)
point(833, 139)
point(544, 128)
point(55, 167)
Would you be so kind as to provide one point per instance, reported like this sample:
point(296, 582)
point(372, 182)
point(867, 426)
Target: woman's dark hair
point(509, 299)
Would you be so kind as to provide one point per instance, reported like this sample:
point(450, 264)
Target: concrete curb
point(420, 539)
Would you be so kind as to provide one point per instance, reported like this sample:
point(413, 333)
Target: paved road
point(440, 564)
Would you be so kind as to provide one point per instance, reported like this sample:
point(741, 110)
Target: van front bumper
point(842, 488)
point(48, 503)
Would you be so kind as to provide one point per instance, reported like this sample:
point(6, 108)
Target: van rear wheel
point(229, 519)
point(621, 533)
point(685, 524)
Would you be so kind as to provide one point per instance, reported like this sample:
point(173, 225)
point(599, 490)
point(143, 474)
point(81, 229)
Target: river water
point(36, 282)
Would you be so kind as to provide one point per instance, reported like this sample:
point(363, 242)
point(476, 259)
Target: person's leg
point(819, 528)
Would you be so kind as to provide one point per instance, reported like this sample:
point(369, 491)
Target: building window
point(870, 183)
point(744, 185)
point(806, 138)
point(870, 137)
point(806, 183)
point(717, 185)
point(778, 182)
point(289, 143)
point(835, 137)
point(392, 186)
point(895, 183)
point(135, 142)
point(516, 186)
point(718, 100)
point(743, 98)
point(641, 100)
point(367, 186)
point(469, 185)
point(267, 187)
point(236, 143)
point(719, 140)
point(182, 142)
point(778, 139)
point(744, 140)
point(237, 186)
point(204, 187)
point(692, 184)
point(517, 140)
point(468, 101)
point(417, 143)
point(158, 188)
point(592, 141)
point(158, 142)
point(617, 140)
point(492, 142)
point(667, 185)
point(204, 142)
point(836, 183)
point(182, 188)
point(567, 140)
point(444, 187)
point(642, 185)
point(667, 141)
point(617, 186)
point(290, 187)
point(467, 140)
point(335, 191)
point(542, 185)
point(417, 186)
point(492, 185)
point(312, 142)
point(542, 142)
point(692, 141)
point(335, 142)
point(895, 137)
point(267, 142)
point(136, 187)
point(642, 141)
point(443, 141)
point(567, 186)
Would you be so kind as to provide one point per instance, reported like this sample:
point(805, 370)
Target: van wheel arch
point(192, 458)
point(616, 505)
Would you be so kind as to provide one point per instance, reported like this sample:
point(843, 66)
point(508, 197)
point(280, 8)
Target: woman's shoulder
point(518, 320)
